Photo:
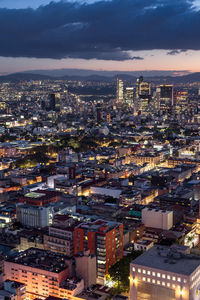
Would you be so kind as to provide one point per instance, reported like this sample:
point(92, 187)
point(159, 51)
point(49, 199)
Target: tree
point(121, 270)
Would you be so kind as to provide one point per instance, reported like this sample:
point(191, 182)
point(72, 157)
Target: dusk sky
point(108, 35)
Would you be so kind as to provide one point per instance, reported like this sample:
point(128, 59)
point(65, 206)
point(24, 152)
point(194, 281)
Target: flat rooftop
point(41, 259)
point(168, 259)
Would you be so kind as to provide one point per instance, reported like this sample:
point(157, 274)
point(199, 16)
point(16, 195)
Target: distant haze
point(82, 72)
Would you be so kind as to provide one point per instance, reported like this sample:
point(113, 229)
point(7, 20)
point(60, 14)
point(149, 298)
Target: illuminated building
point(40, 197)
point(167, 273)
point(156, 218)
point(2, 106)
point(143, 94)
point(129, 96)
point(44, 274)
point(165, 98)
point(104, 240)
point(120, 90)
point(108, 118)
point(54, 102)
point(60, 239)
point(180, 102)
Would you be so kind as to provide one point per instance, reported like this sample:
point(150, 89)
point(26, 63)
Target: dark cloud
point(102, 30)
point(175, 52)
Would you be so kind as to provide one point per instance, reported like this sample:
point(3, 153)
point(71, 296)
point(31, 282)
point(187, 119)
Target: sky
point(128, 35)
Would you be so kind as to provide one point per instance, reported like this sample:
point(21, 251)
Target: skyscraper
point(129, 96)
point(166, 99)
point(143, 94)
point(54, 102)
point(120, 90)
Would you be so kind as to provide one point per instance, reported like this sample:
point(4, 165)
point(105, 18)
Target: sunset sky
point(101, 35)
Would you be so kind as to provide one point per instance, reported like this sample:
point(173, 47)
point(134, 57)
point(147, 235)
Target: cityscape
point(99, 150)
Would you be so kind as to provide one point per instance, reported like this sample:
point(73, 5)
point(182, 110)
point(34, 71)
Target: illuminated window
point(179, 279)
point(163, 276)
point(148, 272)
point(168, 284)
point(158, 274)
point(133, 269)
point(153, 281)
point(143, 278)
point(158, 281)
point(139, 270)
point(153, 273)
point(173, 285)
point(163, 283)
point(168, 277)
point(148, 280)
point(173, 278)
point(144, 272)
point(184, 280)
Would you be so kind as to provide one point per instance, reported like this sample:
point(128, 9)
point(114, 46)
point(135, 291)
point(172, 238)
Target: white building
point(157, 218)
point(166, 273)
point(33, 216)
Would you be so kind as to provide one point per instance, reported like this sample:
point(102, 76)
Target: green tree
point(120, 272)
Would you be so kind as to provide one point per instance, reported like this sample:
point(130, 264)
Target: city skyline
point(109, 35)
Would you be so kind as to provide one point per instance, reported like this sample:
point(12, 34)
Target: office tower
point(120, 91)
point(44, 274)
point(104, 240)
point(166, 100)
point(167, 273)
point(143, 94)
point(180, 102)
point(54, 102)
point(129, 96)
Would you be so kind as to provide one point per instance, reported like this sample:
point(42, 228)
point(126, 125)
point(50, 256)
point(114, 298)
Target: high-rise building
point(104, 240)
point(166, 98)
point(120, 91)
point(143, 94)
point(54, 102)
point(180, 102)
point(167, 273)
point(129, 96)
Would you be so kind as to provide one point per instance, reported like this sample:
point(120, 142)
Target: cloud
point(176, 51)
point(108, 30)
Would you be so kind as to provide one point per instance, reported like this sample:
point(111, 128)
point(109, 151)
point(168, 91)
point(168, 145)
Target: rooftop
point(41, 259)
point(169, 259)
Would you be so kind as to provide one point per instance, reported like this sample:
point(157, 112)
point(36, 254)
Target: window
point(163, 276)
point(133, 269)
point(148, 272)
point(144, 271)
point(173, 278)
point(168, 277)
point(184, 280)
point(163, 283)
point(148, 280)
point(153, 281)
point(139, 270)
point(168, 284)
point(179, 279)
point(173, 285)
point(153, 273)
point(158, 274)
point(158, 281)
point(143, 278)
